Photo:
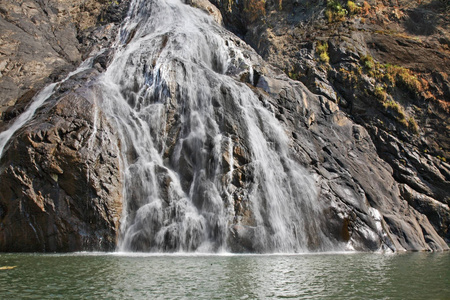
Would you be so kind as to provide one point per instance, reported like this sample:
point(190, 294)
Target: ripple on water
point(320, 276)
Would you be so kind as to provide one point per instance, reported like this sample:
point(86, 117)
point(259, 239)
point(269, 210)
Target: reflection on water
point(140, 276)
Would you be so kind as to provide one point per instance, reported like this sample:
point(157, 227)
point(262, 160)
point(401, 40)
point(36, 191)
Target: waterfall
point(207, 148)
point(184, 124)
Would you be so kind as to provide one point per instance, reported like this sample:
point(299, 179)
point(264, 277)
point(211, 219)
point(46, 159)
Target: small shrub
point(352, 8)
point(329, 15)
point(335, 12)
point(280, 4)
point(412, 125)
point(324, 57)
point(322, 50)
point(322, 47)
point(395, 76)
point(403, 122)
point(399, 76)
point(408, 80)
point(389, 77)
point(255, 9)
point(442, 158)
point(349, 76)
point(380, 93)
point(293, 75)
point(365, 8)
point(368, 62)
point(394, 106)
point(397, 110)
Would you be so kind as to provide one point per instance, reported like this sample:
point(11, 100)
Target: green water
point(134, 276)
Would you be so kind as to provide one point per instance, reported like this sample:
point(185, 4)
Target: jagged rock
point(64, 191)
point(424, 173)
point(437, 212)
point(61, 181)
point(353, 180)
point(42, 41)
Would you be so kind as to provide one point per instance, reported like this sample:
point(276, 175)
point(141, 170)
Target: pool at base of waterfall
point(227, 276)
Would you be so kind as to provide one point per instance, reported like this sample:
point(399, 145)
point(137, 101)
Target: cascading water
point(184, 124)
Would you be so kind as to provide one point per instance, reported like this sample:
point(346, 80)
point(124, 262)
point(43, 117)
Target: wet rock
point(62, 187)
point(207, 7)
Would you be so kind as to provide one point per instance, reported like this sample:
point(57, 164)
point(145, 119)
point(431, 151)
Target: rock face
point(60, 177)
point(384, 63)
point(208, 147)
point(356, 186)
point(41, 41)
point(62, 188)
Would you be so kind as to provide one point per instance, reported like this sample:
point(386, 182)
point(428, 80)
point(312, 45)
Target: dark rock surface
point(60, 175)
point(61, 183)
point(350, 198)
point(353, 180)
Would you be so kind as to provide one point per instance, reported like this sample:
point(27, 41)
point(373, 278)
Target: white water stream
point(37, 101)
point(181, 120)
point(168, 92)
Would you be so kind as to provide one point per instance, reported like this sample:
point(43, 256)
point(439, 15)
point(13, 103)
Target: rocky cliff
point(61, 182)
point(60, 177)
point(386, 65)
point(355, 141)
point(42, 41)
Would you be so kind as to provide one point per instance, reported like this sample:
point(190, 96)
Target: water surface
point(143, 276)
